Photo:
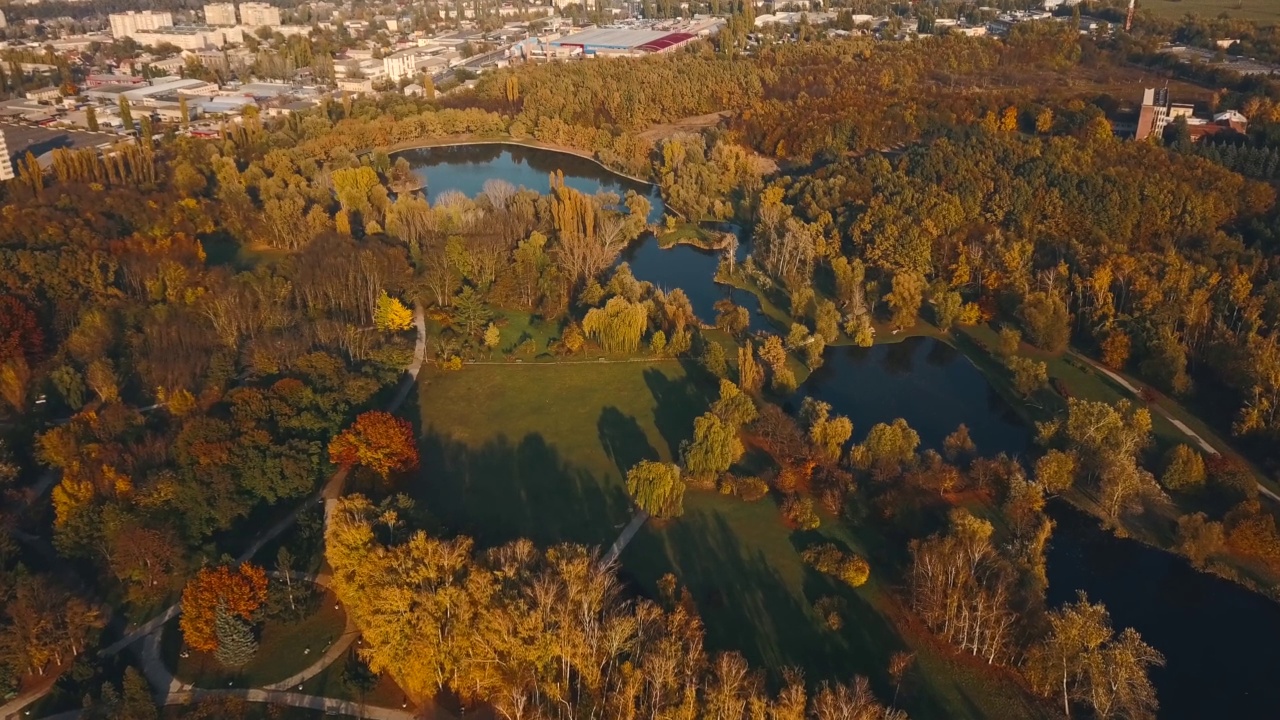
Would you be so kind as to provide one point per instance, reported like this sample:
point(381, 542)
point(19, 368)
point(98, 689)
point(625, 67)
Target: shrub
point(852, 569)
point(800, 513)
point(749, 488)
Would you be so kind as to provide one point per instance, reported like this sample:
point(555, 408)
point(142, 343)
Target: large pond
point(1221, 641)
point(465, 168)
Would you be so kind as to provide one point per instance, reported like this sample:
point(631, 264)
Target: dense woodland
point(193, 331)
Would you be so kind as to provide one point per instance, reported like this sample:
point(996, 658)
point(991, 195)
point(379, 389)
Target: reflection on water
point(1221, 641)
point(465, 168)
point(927, 382)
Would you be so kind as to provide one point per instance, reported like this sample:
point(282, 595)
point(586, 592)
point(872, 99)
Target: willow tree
point(618, 326)
point(657, 488)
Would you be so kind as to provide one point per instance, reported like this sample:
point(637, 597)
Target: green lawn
point(1262, 11)
point(538, 450)
point(283, 649)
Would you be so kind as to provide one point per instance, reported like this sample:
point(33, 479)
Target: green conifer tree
point(236, 644)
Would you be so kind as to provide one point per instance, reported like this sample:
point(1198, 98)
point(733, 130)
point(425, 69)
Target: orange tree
point(377, 440)
point(241, 591)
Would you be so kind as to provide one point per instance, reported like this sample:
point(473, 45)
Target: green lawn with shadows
point(540, 450)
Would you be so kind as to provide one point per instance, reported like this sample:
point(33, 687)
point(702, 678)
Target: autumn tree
point(827, 432)
point(618, 326)
point(1082, 660)
point(379, 441)
point(848, 567)
point(715, 447)
point(657, 488)
point(391, 315)
point(239, 593)
point(887, 448)
point(1055, 471)
point(906, 298)
point(1199, 538)
point(1183, 468)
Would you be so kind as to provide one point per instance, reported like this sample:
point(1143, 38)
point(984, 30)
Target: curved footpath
point(1181, 426)
point(171, 691)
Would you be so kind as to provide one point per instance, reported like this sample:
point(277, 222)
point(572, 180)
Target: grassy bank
point(539, 451)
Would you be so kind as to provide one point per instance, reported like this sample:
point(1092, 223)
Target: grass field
point(539, 451)
point(1264, 11)
point(281, 650)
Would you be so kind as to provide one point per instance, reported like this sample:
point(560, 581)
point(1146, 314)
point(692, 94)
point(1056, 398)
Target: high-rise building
point(3, 23)
point(257, 14)
point(129, 24)
point(6, 165)
point(1157, 112)
point(220, 14)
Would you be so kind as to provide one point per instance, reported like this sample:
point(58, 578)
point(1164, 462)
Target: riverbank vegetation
point(192, 333)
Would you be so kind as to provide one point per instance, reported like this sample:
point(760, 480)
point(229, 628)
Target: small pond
point(1221, 641)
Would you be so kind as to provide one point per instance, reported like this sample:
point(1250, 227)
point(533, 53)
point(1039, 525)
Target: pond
point(465, 168)
point(1222, 642)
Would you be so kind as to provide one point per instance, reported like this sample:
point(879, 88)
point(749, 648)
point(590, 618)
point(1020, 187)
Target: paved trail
point(1181, 426)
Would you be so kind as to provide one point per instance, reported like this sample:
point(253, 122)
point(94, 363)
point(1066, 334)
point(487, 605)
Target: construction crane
point(1128, 20)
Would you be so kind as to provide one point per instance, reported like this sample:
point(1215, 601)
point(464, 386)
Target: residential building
point(257, 14)
point(220, 14)
point(1154, 115)
point(6, 165)
point(353, 85)
point(129, 24)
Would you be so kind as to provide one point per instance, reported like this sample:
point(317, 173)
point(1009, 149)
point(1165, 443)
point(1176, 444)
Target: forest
point(198, 336)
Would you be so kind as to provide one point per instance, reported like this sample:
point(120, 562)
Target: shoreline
point(464, 140)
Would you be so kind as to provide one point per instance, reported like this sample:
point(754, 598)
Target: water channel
point(1221, 642)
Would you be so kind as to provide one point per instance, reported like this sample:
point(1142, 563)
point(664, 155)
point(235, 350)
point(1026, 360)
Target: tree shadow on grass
point(505, 490)
point(623, 439)
point(677, 402)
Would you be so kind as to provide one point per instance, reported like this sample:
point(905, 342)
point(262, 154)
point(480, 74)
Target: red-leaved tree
point(378, 441)
point(241, 591)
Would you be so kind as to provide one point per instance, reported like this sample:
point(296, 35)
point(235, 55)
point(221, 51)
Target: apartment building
point(257, 14)
point(130, 24)
point(220, 14)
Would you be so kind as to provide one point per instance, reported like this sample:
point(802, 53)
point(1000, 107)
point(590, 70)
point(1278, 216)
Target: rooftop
point(21, 139)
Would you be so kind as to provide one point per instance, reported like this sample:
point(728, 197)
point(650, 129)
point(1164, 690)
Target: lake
point(1221, 641)
point(465, 168)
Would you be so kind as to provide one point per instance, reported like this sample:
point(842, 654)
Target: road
point(637, 521)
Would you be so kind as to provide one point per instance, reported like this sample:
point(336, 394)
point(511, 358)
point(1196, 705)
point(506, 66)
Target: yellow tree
point(391, 315)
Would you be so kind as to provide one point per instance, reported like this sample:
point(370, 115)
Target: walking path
point(627, 533)
point(328, 494)
point(1181, 426)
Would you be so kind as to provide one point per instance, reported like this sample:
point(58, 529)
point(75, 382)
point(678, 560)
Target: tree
point(827, 433)
point(1115, 349)
point(236, 644)
point(126, 115)
point(618, 326)
point(906, 297)
point(239, 592)
point(714, 448)
point(731, 318)
point(1055, 471)
point(492, 337)
point(657, 488)
point(1199, 538)
point(1029, 376)
point(391, 315)
point(750, 374)
point(1183, 468)
point(1081, 659)
point(888, 448)
point(91, 118)
point(958, 443)
point(1047, 321)
point(378, 441)
point(829, 559)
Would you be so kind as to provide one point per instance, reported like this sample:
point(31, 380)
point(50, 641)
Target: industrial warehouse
point(629, 40)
